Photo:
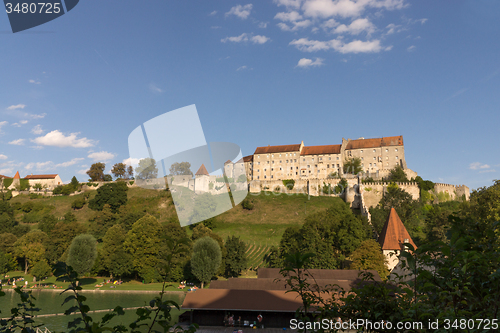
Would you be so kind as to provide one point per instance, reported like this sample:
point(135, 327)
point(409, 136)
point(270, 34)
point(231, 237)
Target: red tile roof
point(394, 233)
point(6, 177)
point(228, 161)
point(202, 171)
point(277, 149)
point(375, 143)
point(16, 176)
point(248, 158)
point(318, 150)
point(41, 176)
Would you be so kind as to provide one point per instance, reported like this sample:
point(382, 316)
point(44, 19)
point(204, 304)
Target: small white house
point(47, 181)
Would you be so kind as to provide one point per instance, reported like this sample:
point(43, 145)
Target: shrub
point(7, 182)
point(131, 182)
point(289, 183)
point(247, 204)
point(327, 188)
point(367, 180)
point(78, 203)
point(277, 189)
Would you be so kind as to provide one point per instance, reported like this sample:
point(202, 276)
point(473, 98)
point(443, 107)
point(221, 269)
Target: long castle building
point(318, 162)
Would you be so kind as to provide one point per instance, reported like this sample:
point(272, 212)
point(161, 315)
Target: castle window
point(361, 158)
point(397, 158)
point(258, 177)
point(321, 158)
point(374, 158)
point(308, 166)
point(286, 161)
point(273, 162)
point(361, 151)
point(265, 170)
point(258, 163)
point(291, 168)
point(265, 176)
point(396, 149)
point(373, 150)
point(272, 169)
point(280, 161)
point(272, 155)
point(295, 173)
point(258, 156)
point(303, 160)
point(328, 166)
point(387, 157)
point(295, 161)
point(370, 164)
point(387, 164)
point(267, 162)
point(297, 168)
point(280, 155)
point(272, 176)
point(316, 166)
point(337, 158)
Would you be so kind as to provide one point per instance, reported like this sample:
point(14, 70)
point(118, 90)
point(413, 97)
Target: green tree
point(75, 183)
point(115, 258)
point(96, 172)
point(7, 263)
point(146, 169)
point(206, 259)
point(119, 170)
point(143, 244)
point(38, 186)
point(41, 270)
point(30, 248)
point(60, 238)
point(114, 194)
point(369, 256)
point(130, 172)
point(397, 174)
point(107, 178)
point(78, 203)
point(182, 168)
point(484, 203)
point(332, 234)
point(7, 243)
point(101, 221)
point(235, 260)
point(47, 223)
point(82, 253)
point(437, 222)
point(353, 166)
point(173, 233)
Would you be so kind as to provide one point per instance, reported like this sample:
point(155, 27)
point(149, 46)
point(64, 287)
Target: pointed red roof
point(202, 171)
point(394, 233)
point(17, 176)
point(228, 161)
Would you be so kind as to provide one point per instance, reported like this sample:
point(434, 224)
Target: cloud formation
point(15, 107)
point(356, 46)
point(18, 142)
point(304, 62)
point(58, 139)
point(245, 37)
point(102, 156)
point(154, 88)
point(49, 165)
point(37, 130)
point(3, 157)
point(240, 11)
point(34, 81)
point(478, 166)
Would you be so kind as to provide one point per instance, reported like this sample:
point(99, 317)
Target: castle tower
point(201, 180)
point(229, 169)
point(393, 237)
point(16, 182)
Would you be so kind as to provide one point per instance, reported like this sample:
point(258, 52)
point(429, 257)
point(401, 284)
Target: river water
point(50, 303)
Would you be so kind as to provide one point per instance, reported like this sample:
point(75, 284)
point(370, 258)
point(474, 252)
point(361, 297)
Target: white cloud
point(15, 107)
point(213, 13)
point(131, 161)
point(3, 123)
point(3, 157)
point(478, 166)
point(6, 171)
point(288, 3)
point(19, 124)
point(58, 139)
point(36, 147)
point(356, 27)
point(296, 25)
point(356, 46)
point(411, 48)
point(241, 68)
point(49, 165)
point(101, 156)
point(82, 171)
point(304, 62)
point(262, 25)
point(18, 142)
point(288, 17)
point(244, 37)
point(392, 28)
point(154, 88)
point(241, 38)
point(259, 39)
point(241, 11)
point(37, 130)
point(34, 82)
point(489, 170)
point(331, 23)
point(346, 8)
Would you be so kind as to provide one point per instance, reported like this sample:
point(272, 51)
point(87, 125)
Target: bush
point(277, 189)
point(289, 183)
point(78, 203)
point(247, 204)
point(7, 182)
point(367, 180)
point(327, 188)
point(131, 182)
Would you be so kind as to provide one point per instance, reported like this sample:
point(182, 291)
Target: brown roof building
point(393, 237)
point(202, 171)
point(319, 162)
point(267, 295)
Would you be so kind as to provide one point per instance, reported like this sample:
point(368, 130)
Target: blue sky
point(266, 72)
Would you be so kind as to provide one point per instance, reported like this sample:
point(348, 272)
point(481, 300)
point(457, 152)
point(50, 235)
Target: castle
point(378, 156)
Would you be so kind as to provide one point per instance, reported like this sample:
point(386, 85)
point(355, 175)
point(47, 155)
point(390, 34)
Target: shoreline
point(106, 290)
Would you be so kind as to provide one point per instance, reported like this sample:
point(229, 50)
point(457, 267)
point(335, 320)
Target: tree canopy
point(369, 256)
point(353, 166)
point(206, 259)
point(119, 170)
point(146, 169)
point(182, 168)
point(113, 194)
point(235, 260)
point(96, 172)
point(82, 253)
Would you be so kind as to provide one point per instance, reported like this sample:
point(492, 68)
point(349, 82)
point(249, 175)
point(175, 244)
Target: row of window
point(374, 150)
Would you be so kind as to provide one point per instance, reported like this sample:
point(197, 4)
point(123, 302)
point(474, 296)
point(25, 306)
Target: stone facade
point(297, 161)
